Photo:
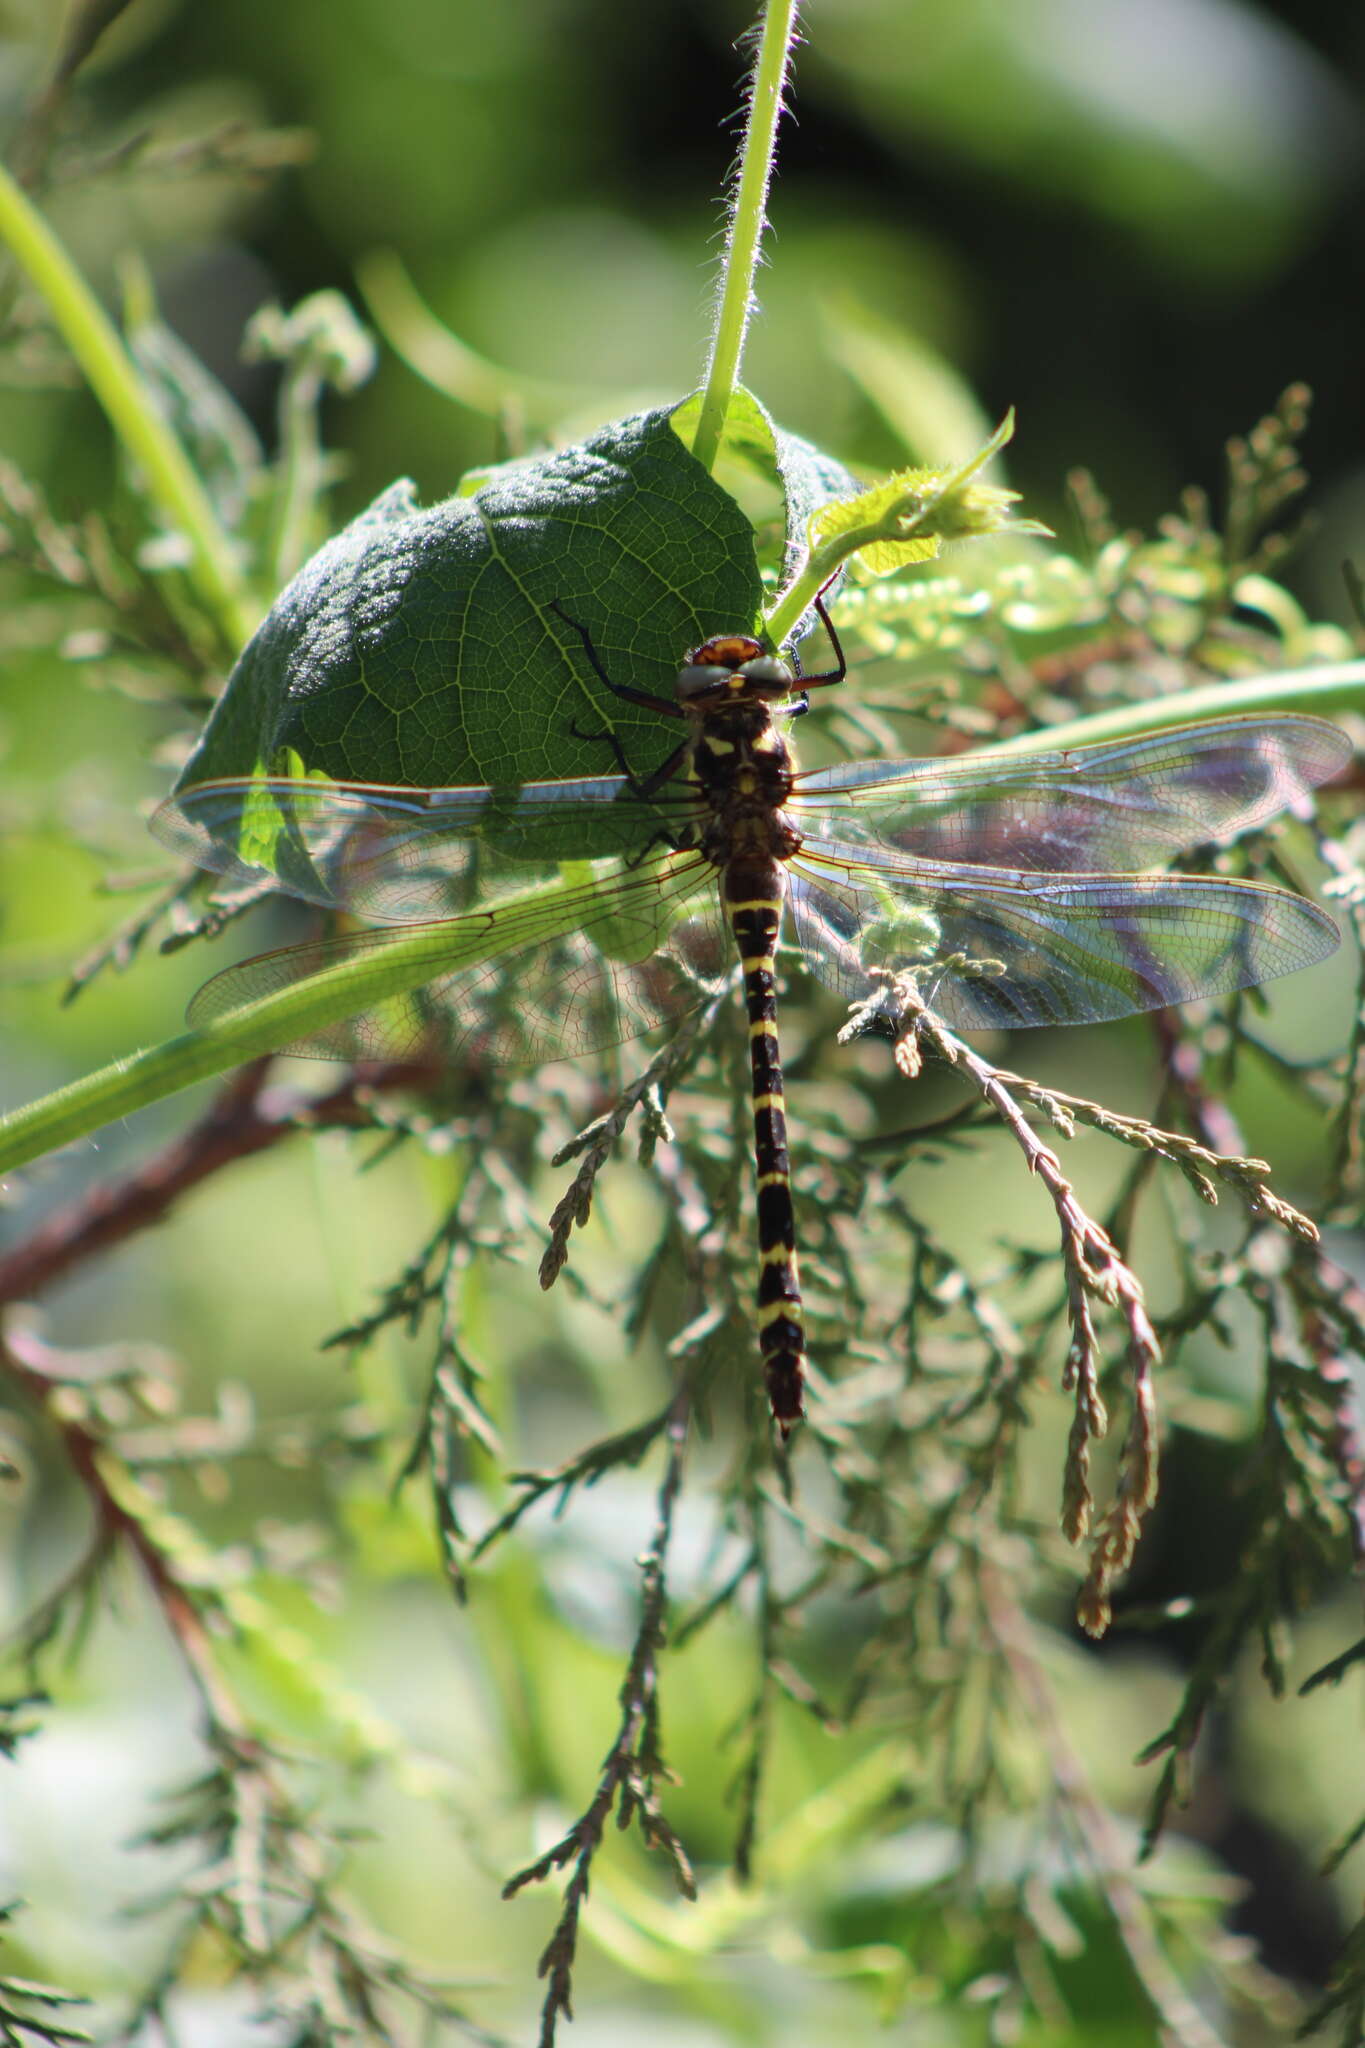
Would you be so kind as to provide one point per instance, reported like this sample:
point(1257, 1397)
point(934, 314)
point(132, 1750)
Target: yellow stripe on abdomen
point(753, 901)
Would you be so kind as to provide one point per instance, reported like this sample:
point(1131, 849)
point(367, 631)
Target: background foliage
point(1136, 227)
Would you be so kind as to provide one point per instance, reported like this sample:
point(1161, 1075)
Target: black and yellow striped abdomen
point(754, 891)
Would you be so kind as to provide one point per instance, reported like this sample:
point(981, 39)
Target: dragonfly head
point(730, 667)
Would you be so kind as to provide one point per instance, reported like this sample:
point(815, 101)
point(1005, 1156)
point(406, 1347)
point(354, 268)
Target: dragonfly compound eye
point(769, 672)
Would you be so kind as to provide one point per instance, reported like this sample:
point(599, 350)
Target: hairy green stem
point(746, 225)
point(149, 442)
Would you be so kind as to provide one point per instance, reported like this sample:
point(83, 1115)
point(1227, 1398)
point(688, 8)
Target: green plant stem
point(1335, 686)
point(746, 225)
point(449, 365)
point(149, 442)
point(357, 984)
point(267, 1025)
point(798, 597)
point(303, 470)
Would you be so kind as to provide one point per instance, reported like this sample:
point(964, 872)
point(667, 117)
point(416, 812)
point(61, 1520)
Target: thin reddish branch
point(1329, 1352)
point(27, 1360)
point(242, 1120)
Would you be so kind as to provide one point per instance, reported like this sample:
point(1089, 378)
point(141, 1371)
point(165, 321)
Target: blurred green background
point(1135, 224)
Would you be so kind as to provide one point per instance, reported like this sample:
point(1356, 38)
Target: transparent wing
point(584, 970)
point(403, 856)
point(1127, 804)
point(996, 951)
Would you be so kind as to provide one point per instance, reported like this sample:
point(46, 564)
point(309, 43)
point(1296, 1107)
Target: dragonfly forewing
point(977, 873)
point(1126, 804)
point(403, 856)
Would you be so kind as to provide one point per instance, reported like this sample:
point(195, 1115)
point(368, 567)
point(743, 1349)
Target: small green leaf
point(904, 519)
point(912, 513)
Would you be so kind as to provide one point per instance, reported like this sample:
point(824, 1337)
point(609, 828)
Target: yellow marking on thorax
point(717, 746)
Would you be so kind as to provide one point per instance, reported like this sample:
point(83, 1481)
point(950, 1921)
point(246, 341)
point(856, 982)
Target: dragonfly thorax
point(739, 760)
point(743, 768)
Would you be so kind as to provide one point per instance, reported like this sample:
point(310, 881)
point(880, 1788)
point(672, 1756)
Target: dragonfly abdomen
point(754, 890)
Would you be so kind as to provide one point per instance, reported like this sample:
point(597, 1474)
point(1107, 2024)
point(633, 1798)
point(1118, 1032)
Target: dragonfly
point(543, 920)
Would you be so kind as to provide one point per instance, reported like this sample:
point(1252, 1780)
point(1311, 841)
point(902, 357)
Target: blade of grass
point(94, 342)
point(264, 1026)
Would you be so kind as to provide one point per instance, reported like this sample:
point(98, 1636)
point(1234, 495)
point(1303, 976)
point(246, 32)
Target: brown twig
point(1094, 1272)
point(596, 1142)
point(29, 1362)
point(1202, 1163)
point(241, 1121)
point(269, 1885)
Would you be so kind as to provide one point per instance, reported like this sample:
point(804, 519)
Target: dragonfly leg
point(670, 842)
point(666, 706)
point(833, 675)
point(639, 785)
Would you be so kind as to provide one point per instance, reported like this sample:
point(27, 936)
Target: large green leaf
point(423, 647)
point(801, 475)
